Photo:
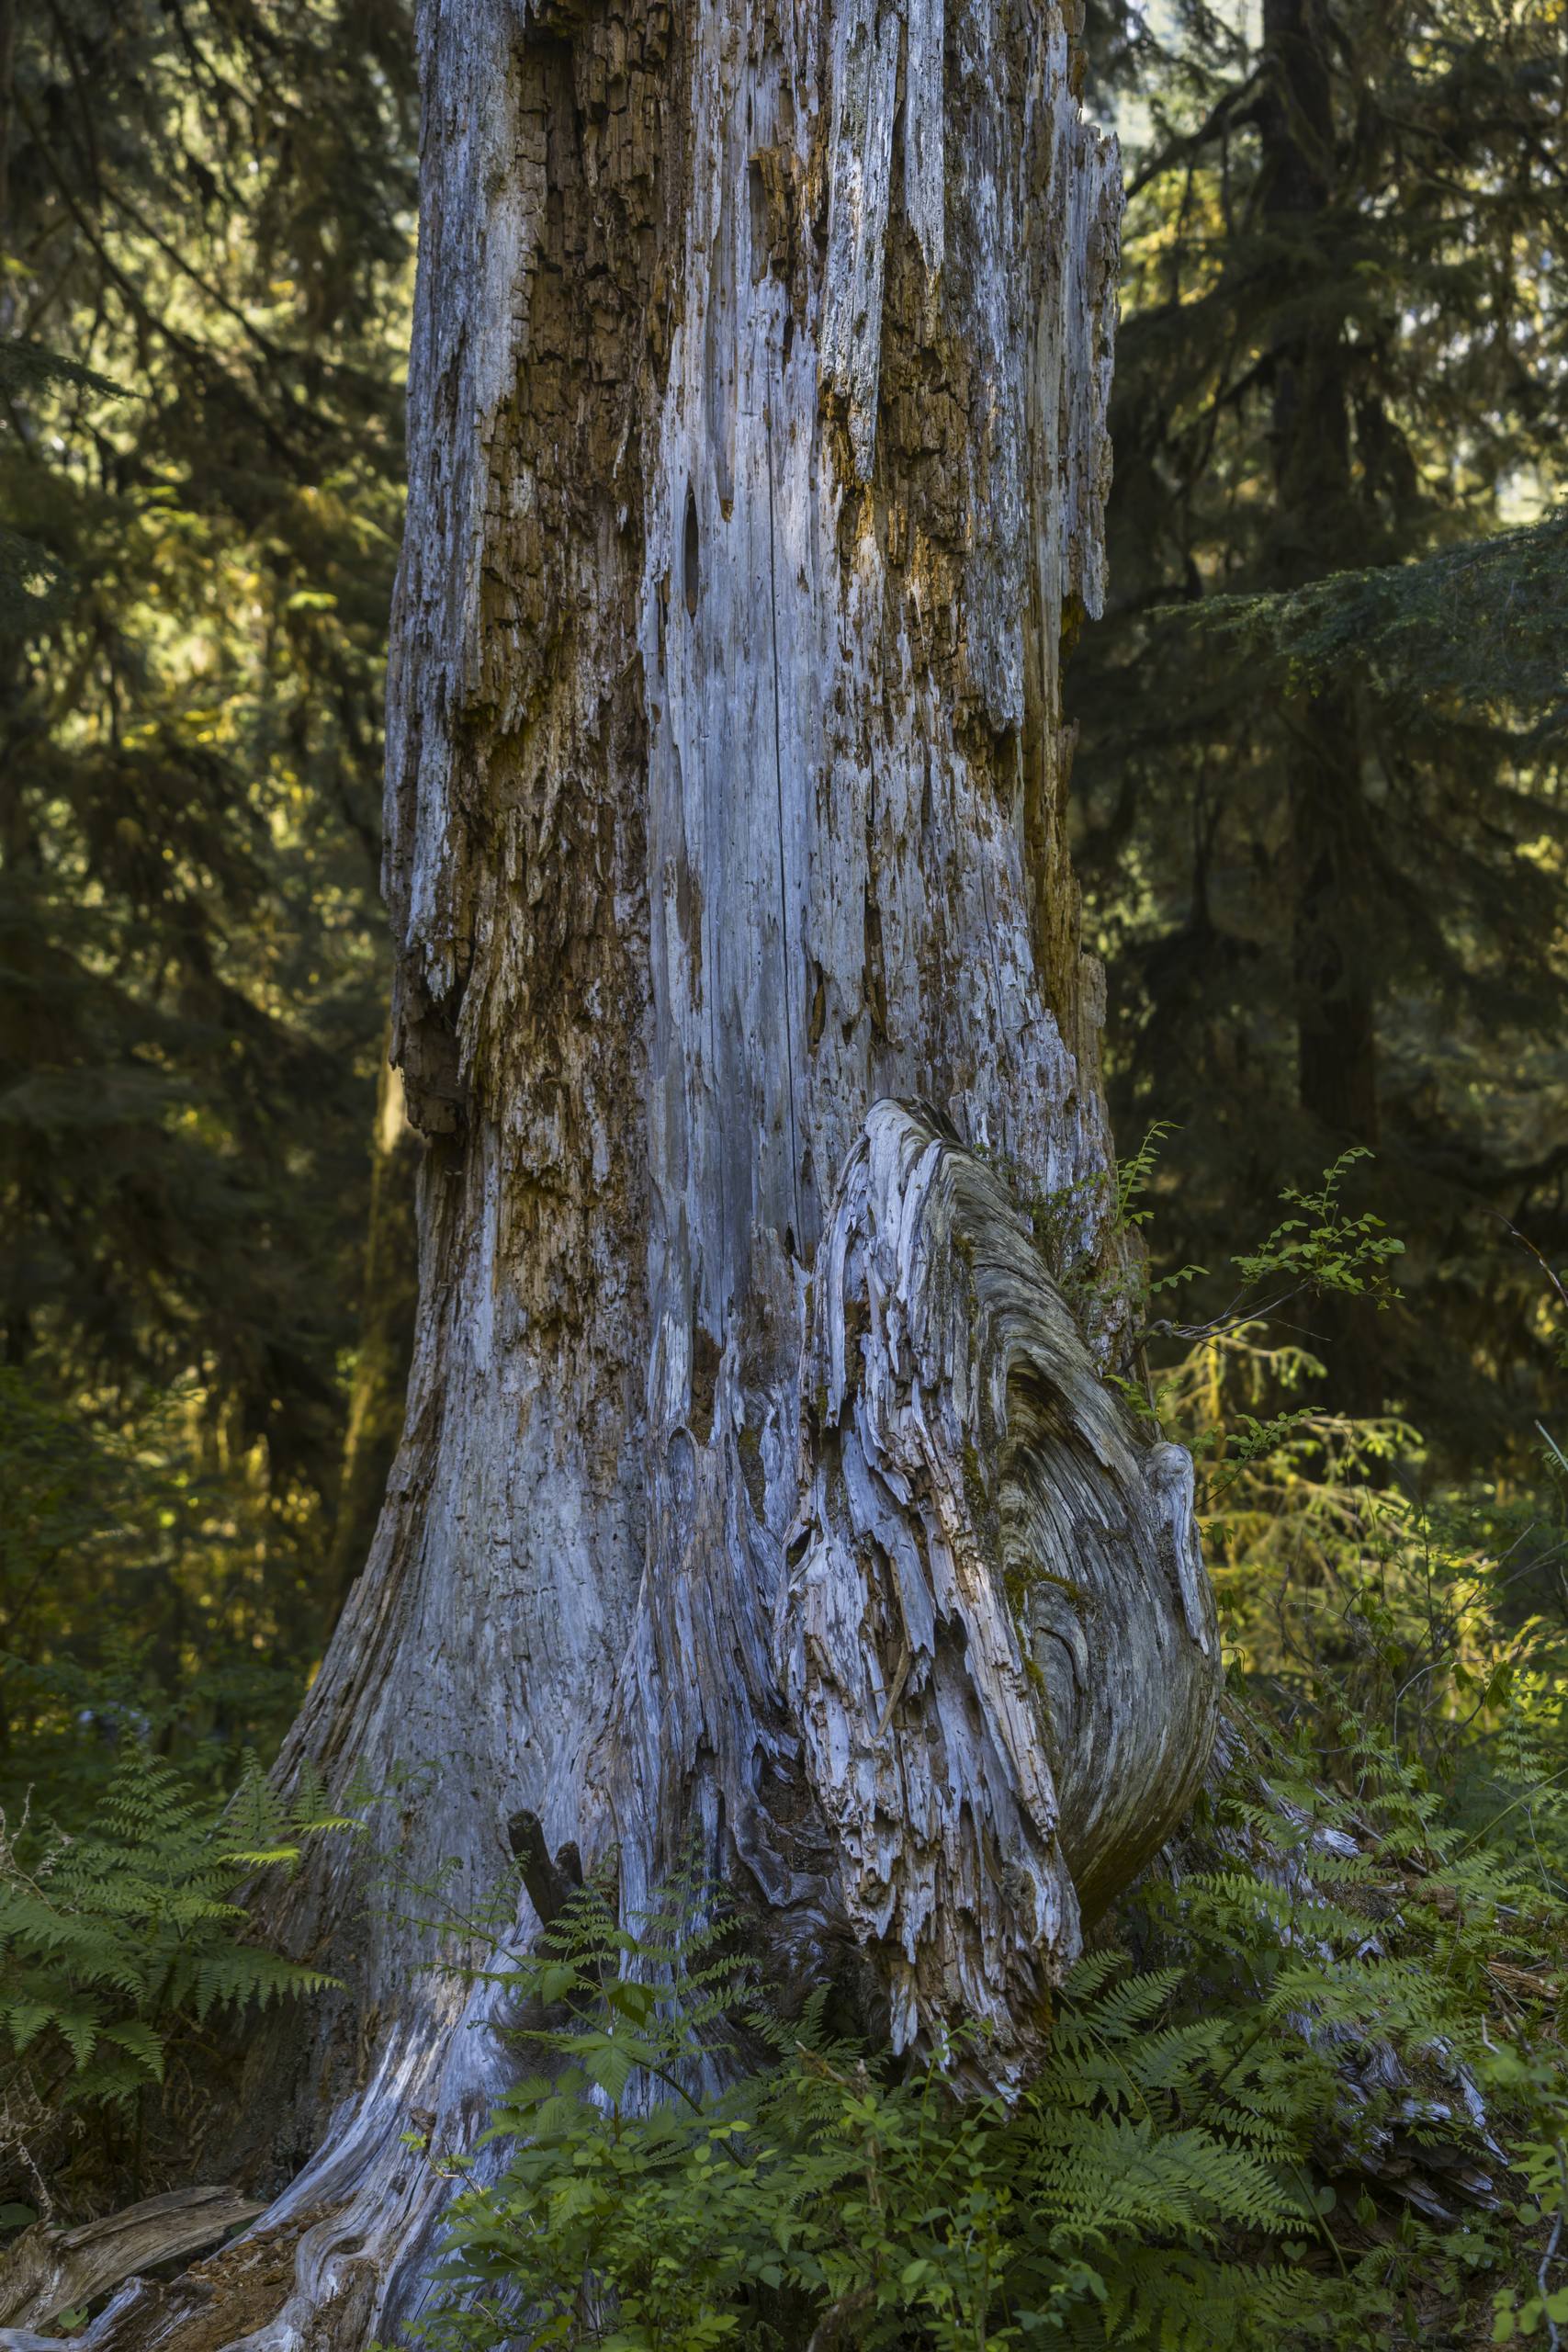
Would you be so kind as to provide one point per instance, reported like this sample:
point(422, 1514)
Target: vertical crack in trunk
point(797, 1230)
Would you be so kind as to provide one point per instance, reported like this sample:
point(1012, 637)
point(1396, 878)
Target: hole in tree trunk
point(757, 192)
point(690, 560)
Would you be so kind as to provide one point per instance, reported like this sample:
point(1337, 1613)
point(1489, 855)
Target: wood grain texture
point(1000, 1640)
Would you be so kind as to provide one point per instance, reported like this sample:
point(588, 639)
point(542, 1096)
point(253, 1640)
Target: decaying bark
point(996, 1634)
point(756, 1479)
point(48, 2270)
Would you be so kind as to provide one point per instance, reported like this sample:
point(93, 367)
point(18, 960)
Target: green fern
point(681, 2167)
point(113, 1941)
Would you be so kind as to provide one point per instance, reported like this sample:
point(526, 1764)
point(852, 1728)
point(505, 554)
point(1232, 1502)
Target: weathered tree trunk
point(757, 1480)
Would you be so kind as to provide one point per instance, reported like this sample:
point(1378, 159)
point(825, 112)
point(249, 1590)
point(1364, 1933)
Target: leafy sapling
point(1320, 1250)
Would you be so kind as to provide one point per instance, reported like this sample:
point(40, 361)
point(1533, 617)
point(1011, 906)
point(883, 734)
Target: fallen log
point(49, 2270)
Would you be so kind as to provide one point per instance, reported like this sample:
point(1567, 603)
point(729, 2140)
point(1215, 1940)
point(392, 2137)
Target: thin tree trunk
point(757, 1482)
point(8, 108)
point(1334, 931)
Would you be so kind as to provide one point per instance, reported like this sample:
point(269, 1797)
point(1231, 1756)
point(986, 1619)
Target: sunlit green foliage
point(205, 250)
point(120, 1941)
point(1283, 2131)
point(193, 1616)
point(1326, 420)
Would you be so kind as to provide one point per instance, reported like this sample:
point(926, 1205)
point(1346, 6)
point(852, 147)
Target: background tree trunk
point(756, 1481)
point(1332, 851)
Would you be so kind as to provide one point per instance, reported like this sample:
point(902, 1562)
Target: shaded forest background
point(1318, 801)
